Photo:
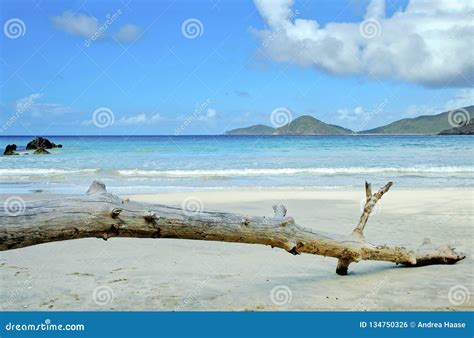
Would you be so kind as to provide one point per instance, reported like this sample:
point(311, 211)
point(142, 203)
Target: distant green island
point(441, 124)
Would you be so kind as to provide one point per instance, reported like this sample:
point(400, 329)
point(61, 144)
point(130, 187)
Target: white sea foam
point(44, 172)
point(297, 171)
point(201, 173)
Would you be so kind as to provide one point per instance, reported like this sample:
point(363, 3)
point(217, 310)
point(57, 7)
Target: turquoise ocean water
point(148, 164)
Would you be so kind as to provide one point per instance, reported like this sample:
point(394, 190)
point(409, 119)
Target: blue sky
point(145, 74)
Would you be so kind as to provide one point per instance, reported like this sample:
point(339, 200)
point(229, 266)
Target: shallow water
point(155, 163)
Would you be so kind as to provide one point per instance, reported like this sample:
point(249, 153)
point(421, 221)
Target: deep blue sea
point(147, 164)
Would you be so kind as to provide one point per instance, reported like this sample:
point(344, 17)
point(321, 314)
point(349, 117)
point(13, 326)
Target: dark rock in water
point(463, 129)
point(10, 150)
point(41, 142)
point(41, 151)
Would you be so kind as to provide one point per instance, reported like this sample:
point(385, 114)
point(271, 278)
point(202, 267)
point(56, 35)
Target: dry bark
point(104, 215)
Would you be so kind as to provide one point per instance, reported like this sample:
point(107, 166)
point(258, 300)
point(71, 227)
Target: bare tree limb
point(103, 215)
point(371, 201)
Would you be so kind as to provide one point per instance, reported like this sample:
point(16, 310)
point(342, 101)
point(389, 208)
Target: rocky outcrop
point(41, 151)
point(10, 150)
point(466, 129)
point(43, 143)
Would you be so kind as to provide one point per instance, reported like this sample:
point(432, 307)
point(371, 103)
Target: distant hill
point(258, 129)
point(303, 125)
point(427, 124)
point(467, 129)
point(308, 125)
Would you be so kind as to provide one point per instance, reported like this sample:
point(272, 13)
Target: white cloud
point(274, 12)
point(76, 23)
point(128, 33)
point(206, 115)
point(352, 115)
point(423, 109)
point(25, 102)
point(39, 109)
point(90, 28)
point(427, 43)
point(140, 119)
point(463, 98)
point(211, 113)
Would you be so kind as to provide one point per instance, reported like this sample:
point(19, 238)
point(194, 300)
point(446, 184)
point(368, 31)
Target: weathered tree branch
point(370, 202)
point(103, 215)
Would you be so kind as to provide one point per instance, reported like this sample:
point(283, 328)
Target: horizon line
point(226, 135)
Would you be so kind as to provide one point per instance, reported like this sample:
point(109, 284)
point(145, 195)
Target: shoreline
point(243, 192)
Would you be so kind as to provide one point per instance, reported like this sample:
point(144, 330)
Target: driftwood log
point(104, 215)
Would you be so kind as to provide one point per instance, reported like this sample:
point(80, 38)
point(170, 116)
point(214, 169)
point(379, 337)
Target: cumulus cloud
point(140, 119)
point(38, 109)
point(427, 43)
point(211, 113)
point(421, 109)
point(90, 28)
point(25, 102)
point(128, 33)
point(462, 98)
point(351, 114)
point(202, 115)
point(76, 23)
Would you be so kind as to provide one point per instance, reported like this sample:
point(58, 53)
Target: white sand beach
point(182, 275)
